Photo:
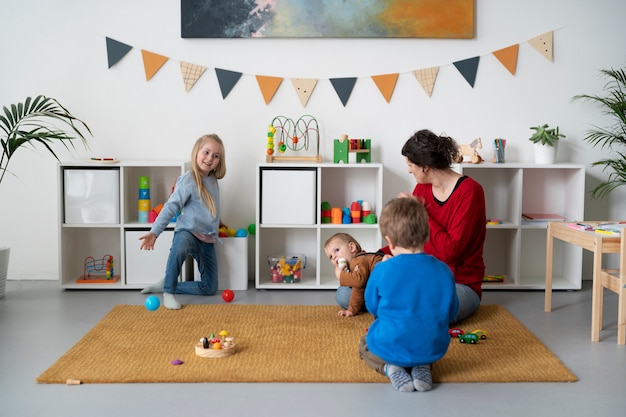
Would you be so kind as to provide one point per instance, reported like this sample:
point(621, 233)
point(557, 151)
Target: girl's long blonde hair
point(219, 171)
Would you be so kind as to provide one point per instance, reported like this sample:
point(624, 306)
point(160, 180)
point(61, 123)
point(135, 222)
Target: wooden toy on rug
point(285, 134)
point(470, 151)
point(360, 148)
point(214, 346)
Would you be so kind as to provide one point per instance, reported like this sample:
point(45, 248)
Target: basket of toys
point(286, 268)
point(218, 346)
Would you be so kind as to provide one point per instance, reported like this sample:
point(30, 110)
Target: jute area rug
point(285, 344)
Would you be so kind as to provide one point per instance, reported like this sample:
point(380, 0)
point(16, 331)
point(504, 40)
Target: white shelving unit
point(288, 215)
point(85, 231)
point(516, 248)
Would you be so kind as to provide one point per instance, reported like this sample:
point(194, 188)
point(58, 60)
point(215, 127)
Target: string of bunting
point(304, 87)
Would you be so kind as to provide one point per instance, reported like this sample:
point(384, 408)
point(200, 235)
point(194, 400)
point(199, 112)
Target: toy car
point(455, 332)
point(480, 333)
point(468, 338)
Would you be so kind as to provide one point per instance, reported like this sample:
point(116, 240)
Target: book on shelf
point(543, 217)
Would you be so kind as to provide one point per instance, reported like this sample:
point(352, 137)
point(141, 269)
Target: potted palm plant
point(546, 141)
point(613, 137)
point(31, 123)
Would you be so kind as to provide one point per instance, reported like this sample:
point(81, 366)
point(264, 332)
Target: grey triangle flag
point(116, 50)
point(227, 80)
point(343, 87)
point(468, 68)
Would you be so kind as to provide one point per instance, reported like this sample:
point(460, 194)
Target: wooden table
point(593, 242)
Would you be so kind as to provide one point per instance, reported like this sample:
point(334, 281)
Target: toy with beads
point(284, 134)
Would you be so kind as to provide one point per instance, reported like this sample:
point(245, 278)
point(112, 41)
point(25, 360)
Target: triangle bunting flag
point(508, 57)
point(116, 51)
point(543, 44)
point(343, 87)
point(152, 63)
point(304, 88)
point(468, 68)
point(191, 73)
point(426, 77)
point(227, 80)
point(386, 84)
point(268, 86)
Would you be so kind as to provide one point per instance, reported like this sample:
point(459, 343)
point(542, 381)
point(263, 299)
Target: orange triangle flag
point(268, 86)
point(191, 74)
point(508, 57)
point(386, 84)
point(426, 77)
point(304, 88)
point(543, 44)
point(152, 63)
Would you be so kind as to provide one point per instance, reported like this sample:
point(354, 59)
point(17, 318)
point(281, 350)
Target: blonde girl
point(196, 197)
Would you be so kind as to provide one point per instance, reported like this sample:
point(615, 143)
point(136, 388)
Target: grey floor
point(39, 322)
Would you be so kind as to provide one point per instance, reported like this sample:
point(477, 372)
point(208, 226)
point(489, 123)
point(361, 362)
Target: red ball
point(228, 296)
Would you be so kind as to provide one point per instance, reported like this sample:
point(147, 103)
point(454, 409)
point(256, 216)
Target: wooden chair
point(615, 280)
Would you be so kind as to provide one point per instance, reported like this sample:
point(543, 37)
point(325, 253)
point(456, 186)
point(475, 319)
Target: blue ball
point(152, 303)
point(241, 233)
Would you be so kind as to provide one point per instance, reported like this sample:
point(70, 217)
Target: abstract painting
point(327, 19)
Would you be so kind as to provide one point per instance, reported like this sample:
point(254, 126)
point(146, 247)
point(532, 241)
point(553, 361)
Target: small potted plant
point(545, 139)
point(34, 122)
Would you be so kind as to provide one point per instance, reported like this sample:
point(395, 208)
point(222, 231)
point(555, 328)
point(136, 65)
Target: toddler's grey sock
point(422, 378)
point(400, 378)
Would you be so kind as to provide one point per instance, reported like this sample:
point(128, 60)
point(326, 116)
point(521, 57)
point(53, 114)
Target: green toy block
point(342, 149)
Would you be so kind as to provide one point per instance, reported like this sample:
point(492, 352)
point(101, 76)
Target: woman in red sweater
point(456, 210)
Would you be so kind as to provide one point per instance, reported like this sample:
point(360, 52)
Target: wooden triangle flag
point(116, 50)
point(191, 74)
point(227, 80)
point(343, 87)
point(304, 88)
point(152, 63)
point(268, 86)
point(426, 77)
point(543, 44)
point(468, 69)
point(508, 57)
point(386, 84)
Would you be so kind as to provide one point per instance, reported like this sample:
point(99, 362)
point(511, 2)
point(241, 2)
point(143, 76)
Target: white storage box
point(288, 196)
point(144, 267)
point(92, 195)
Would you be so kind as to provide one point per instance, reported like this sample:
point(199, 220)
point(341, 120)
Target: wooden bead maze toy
point(98, 271)
point(286, 135)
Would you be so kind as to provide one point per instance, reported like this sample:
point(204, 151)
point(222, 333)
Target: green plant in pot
point(35, 122)
point(546, 140)
point(613, 137)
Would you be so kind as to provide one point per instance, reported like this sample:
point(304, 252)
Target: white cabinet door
point(146, 266)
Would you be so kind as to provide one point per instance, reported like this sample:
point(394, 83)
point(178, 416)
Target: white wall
point(57, 48)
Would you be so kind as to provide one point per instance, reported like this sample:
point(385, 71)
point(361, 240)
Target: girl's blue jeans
point(468, 300)
point(183, 244)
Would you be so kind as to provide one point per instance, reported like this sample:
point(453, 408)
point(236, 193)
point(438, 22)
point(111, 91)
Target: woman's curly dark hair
point(426, 149)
